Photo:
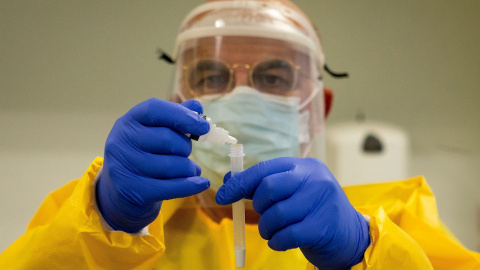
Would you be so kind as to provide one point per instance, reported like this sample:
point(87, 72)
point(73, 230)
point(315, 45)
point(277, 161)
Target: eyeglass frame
point(231, 69)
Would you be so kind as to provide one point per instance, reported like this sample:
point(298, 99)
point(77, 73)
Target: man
point(158, 201)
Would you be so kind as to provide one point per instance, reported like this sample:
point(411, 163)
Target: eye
point(210, 80)
point(271, 80)
point(209, 77)
point(275, 76)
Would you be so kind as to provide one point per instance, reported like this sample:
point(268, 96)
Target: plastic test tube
point(238, 208)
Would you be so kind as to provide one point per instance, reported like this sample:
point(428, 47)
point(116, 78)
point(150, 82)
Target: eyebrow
point(274, 63)
point(208, 65)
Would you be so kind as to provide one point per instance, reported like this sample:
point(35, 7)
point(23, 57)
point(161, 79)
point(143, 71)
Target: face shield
point(256, 68)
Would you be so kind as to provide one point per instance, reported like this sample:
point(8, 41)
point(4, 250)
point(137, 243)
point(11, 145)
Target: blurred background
point(69, 69)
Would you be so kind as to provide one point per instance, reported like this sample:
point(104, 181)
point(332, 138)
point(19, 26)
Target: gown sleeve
point(66, 232)
point(405, 229)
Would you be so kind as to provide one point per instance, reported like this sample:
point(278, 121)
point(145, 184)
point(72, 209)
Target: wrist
point(343, 254)
point(364, 241)
point(117, 216)
point(104, 223)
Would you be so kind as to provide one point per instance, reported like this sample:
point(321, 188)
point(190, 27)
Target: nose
point(240, 75)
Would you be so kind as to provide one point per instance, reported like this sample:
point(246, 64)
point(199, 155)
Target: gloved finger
point(154, 190)
point(163, 166)
point(227, 177)
point(193, 105)
point(283, 214)
point(161, 140)
point(293, 236)
point(275, 188)
point(244, 184)
point(162, 113)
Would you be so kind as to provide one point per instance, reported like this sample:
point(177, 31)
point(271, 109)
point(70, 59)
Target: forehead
point(242, 50)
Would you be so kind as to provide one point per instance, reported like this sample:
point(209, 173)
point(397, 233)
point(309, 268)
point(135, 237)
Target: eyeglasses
point(210, 76)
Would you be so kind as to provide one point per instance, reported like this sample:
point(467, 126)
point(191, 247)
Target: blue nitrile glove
point(301, 205)
point(146, 161)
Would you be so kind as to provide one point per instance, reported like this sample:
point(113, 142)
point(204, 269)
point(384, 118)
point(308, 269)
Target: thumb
point(193, 105)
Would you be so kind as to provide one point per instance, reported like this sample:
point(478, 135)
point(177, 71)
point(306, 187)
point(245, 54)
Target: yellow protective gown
point(66, 233)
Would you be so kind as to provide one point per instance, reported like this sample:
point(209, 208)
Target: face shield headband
point(301, 31)
point(250, 18)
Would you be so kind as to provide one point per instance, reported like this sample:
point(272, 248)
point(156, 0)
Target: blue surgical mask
point(267, 125)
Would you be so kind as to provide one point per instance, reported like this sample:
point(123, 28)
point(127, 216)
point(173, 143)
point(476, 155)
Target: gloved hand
point(301, 205)
point(146, 161)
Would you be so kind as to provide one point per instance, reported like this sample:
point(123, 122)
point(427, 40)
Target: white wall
point(69, 69)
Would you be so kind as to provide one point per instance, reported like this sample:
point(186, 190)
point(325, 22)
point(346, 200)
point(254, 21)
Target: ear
point(328, 97)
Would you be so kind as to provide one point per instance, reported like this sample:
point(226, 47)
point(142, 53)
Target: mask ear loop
point(310, 98)
point(336, 75)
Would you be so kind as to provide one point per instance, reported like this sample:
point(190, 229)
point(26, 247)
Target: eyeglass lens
point(213, 77)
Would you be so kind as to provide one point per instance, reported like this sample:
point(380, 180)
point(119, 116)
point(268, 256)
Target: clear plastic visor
point(211, 67)
point(214, 66)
